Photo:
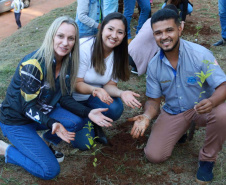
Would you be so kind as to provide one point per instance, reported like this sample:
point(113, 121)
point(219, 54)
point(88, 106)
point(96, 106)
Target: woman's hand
point(61, 132)
point(141, 123)
point(129, 99)
point(97, 117)
point(102, 95)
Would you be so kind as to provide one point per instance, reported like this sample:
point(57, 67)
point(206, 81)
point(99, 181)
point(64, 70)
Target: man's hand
point(97, 117)
point(205, 106)
point(140, 125)
point(61, 132)
point(102, 95)
point(129, 99)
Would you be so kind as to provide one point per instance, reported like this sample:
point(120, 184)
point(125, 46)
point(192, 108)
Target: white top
point(88, 73)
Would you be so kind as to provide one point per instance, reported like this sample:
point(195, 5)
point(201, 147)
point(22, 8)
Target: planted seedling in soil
point(91, 142)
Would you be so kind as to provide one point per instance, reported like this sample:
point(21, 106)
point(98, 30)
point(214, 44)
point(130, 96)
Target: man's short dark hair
point(165, 14)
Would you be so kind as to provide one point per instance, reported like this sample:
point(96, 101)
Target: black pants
point(17, 17)
point(131, 62)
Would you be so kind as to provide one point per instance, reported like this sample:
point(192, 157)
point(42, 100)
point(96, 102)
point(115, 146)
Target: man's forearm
point(152, 107)
point(219, 95)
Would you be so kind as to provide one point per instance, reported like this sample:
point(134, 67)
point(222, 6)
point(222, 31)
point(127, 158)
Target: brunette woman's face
point(113, 34)
point(64, 40)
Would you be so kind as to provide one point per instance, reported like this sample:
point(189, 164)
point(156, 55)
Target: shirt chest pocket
point(190, 79)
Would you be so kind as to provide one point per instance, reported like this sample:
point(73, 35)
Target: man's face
point(167, 34)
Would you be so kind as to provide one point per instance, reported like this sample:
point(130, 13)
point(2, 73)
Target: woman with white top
point(104, 61)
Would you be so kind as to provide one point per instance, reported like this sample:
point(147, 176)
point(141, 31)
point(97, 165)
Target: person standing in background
point(185, 6)
point(129, 6)
point(18, 5)
point(222, 13)
point(88, 17)
point(109, 6)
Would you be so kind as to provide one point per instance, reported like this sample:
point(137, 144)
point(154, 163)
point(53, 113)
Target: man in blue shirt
point(172, 73)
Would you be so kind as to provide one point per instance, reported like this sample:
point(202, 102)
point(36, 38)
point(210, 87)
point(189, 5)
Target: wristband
point(93, 91)
point(145, 115)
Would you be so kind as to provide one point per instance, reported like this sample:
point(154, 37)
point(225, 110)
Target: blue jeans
point(222, 13)
point(109, 6)
point(115, 109)
point(72, 123)
point(17, 17)
point(189, 9)
point(31, 152)
point(129, 6)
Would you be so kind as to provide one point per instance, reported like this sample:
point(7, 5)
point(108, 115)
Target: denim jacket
point(87, 17)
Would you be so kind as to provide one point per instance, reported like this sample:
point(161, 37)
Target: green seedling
point(203, 76)
point(91, 142)
point(198, 28)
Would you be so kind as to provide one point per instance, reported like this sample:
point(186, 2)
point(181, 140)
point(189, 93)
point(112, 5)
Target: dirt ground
point(37, 8)
point(123, 161)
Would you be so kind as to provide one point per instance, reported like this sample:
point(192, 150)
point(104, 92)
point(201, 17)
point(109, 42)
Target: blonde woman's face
point(64, 40)
point(113, 34)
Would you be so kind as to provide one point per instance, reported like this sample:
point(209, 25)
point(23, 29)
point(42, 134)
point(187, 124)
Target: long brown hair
point(121, 63)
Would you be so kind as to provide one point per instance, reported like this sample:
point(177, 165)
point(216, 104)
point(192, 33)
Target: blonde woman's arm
point(128, 97)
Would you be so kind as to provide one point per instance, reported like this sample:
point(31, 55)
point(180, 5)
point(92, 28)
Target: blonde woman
point(39, 98)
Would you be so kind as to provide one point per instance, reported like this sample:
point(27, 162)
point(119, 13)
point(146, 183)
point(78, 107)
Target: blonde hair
point(70, 62)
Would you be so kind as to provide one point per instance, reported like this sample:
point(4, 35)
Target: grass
point(27, 39)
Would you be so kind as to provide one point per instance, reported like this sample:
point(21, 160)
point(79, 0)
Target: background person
point(172, 74)
point(109, 6)
point(104, 61)
point(222, 13)
point(18, 5)
point(129, 6)
point(185, 7)
point(88, 17)
point(142, 48)
point(43, 79)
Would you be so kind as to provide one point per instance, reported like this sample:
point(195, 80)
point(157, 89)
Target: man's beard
point(171, 49)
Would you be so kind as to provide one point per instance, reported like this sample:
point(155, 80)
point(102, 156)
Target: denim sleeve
point(83, 12)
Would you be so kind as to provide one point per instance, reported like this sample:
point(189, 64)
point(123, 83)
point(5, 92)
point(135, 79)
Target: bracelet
point(145, 115)
point(93, 91)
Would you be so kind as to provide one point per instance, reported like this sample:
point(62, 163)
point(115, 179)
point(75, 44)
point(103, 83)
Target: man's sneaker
point(205, 172)
point(221, 42)
point(59, 156)
point(134, 70)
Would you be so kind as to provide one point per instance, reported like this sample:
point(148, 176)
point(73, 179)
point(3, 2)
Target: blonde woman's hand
point(97, 117)
point(129, 99)
point(141, 123)
point(102, 95)
point(60, 131)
